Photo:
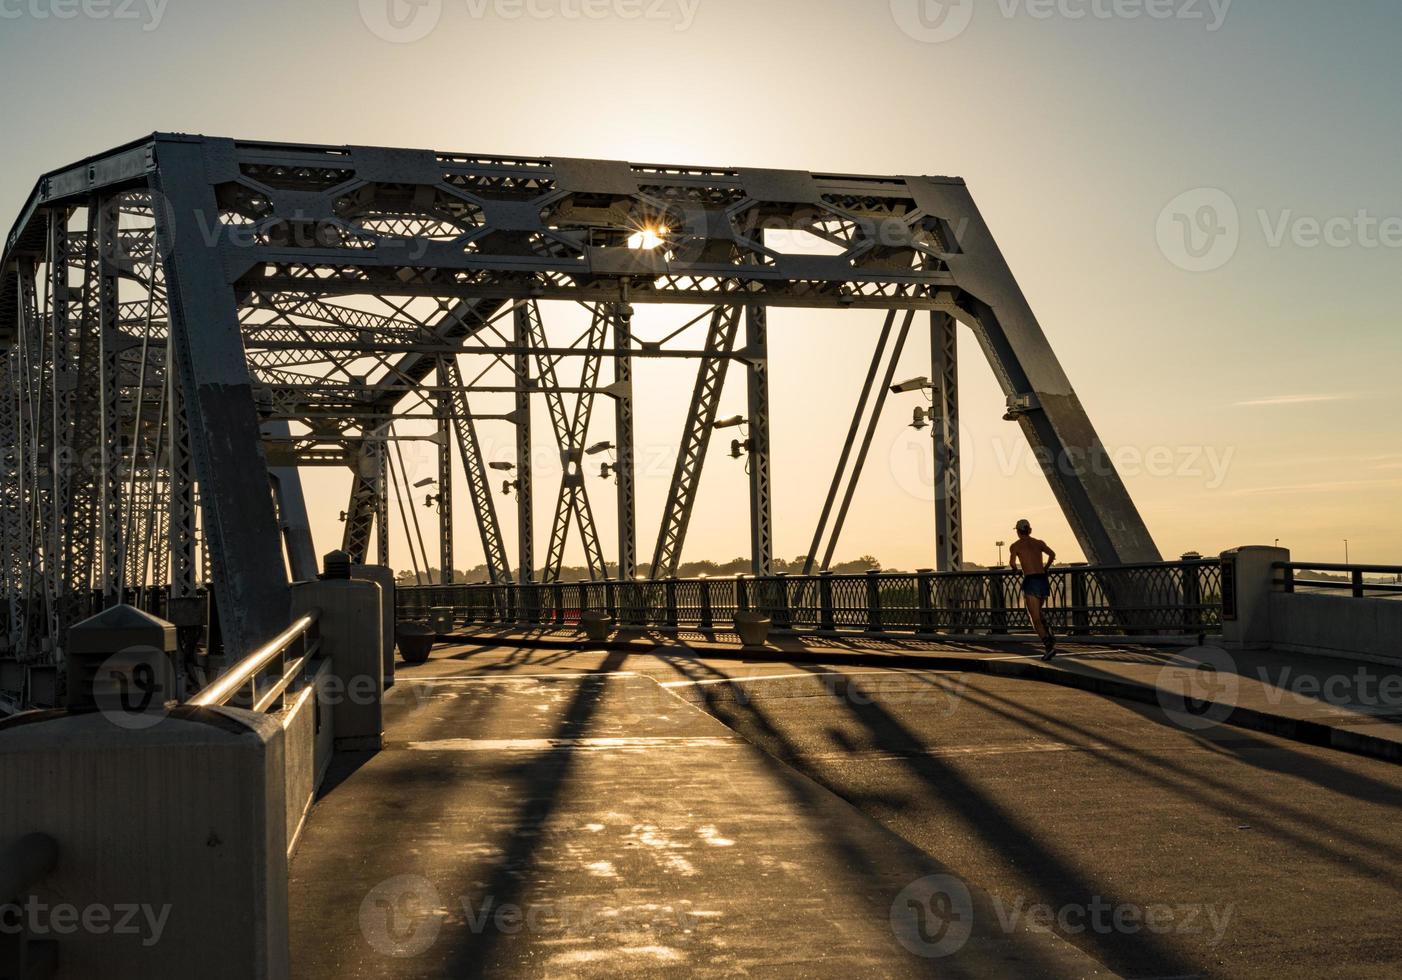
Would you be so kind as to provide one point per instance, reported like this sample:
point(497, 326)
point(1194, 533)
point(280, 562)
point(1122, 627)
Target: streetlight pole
point(1346, 551)
point(1000, 553)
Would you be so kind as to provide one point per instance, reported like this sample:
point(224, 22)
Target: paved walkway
point(559, 820)
point(548, 809)
point(1343, 704)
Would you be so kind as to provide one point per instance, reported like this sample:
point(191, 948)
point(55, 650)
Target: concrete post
point(351, 636)
point(384, 578)
point(174, 831)
point(123, 659)
point(1248, 577)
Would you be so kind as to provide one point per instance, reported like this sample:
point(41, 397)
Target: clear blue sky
point(1278, 362)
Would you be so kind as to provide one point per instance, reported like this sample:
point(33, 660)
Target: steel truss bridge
point(189, 321)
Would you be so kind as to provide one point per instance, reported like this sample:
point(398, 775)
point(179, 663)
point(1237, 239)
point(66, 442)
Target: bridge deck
point(590, 793)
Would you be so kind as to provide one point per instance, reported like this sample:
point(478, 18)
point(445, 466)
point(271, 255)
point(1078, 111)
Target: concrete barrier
point(384, 578)
point(172, 841)
point(1260, 615)
point(1338, 626)
point(351, 638)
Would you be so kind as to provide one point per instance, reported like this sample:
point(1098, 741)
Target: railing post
point(1358, 591)
point(1192, 594)
point(827, 622)
point(669, 589)
point(1080, 614)
point(1290, 579)
point(925, 589)
point(781, 614)
point(558, 591)
point(611, 599)
point(742, 595)
point(707, 621)
point(873, 601)
point(997, 604)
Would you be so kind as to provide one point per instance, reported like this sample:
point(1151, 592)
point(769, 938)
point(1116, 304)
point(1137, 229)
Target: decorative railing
point(1182, 598)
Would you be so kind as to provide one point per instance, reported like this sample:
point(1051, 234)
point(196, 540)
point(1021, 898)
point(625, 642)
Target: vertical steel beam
point(445, 481)
point(949, 511)
point(109, 347)
point(761, 511)
point(381, 462)
point(183, 571)
point(622, 315)
point(240, 524)
point(525, 506)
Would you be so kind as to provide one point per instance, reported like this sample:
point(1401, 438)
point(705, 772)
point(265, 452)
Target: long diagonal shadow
point(742, 713)
point(543, 780)
point(1058, 879)
point(1232, 798)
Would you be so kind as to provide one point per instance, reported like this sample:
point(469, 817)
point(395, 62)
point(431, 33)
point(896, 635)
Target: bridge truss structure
point(187, 322)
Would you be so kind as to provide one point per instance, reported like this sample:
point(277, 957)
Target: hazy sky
point(1201, 205)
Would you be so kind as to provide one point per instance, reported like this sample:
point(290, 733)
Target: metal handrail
point(1355, 583)
point(248, 669)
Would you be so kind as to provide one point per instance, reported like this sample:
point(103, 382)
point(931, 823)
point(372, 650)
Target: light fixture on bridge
point(647, 239)
point(914, 384)
point(504, 467)
point(599, 447)
point(607, 471)
point(426, 482)
point(730, 423)
point(507, 486)
point(922, 418)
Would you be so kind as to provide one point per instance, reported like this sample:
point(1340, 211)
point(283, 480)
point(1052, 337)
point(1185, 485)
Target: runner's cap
point(1024, 526)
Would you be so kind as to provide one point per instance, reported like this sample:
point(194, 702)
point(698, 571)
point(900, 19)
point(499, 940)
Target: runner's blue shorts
point(1037, 585)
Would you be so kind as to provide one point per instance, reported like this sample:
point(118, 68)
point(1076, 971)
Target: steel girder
point(570, 434)
point(478, 483)
point(949, 516)
point(696, 438)
point(336, 277)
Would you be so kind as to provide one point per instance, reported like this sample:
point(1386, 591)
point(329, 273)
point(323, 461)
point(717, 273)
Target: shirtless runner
point(1027, 552)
